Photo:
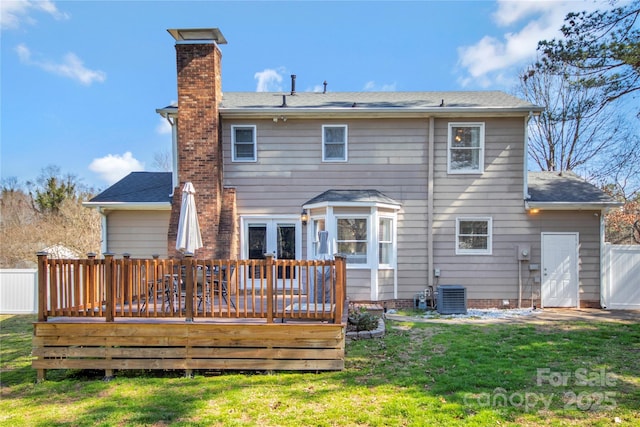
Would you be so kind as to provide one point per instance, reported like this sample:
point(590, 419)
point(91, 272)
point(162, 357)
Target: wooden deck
point(124, 314)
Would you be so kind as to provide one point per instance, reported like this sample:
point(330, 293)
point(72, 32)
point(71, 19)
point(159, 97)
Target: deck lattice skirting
point(90, 320)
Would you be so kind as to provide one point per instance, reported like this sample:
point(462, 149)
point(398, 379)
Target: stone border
point(376, 333)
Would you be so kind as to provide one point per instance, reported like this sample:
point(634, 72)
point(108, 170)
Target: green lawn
point(419, 374)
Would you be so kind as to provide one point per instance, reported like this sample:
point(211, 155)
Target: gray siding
point(390, 155)
point(496, 193)
point(139, 233)
point(387, 155)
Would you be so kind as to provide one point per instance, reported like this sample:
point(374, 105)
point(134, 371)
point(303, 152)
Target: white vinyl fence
point(621, 277)
point(18, 291)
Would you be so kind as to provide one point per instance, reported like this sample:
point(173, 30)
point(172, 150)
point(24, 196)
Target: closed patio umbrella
point(189, 238)
point(323, 247)
point(322, 289)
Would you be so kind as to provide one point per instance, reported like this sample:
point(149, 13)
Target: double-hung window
point(385, 241)
point(465, 148)
point(243, 143)
point(473, 236)
point(334, 143)
point(353, 239)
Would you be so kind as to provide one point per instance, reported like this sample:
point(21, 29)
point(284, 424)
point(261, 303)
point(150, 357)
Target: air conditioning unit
point(452, 299)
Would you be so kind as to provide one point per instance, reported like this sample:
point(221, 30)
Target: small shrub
point(361, 320)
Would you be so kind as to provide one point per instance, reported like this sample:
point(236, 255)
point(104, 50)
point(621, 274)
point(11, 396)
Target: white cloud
point(14, 13)
point(113, 167)
point(268, 80)
point(164, 127)
point(71, 66)
point(488, 61)
point(372, 86)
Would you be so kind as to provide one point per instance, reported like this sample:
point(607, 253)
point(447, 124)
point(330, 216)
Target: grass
point(418, 374)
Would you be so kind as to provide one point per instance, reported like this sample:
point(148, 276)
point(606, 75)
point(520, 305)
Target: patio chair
point(162, 290)
point(210, 284)
point(220, 281)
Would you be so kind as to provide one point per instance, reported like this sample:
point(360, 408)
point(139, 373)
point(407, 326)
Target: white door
point(280, 237)
point(559, 270)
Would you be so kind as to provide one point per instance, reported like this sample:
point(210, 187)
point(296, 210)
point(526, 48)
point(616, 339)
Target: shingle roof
point(363, 101)
point(138, 187)
point(410, 100)
point(353, 196)
point(553, 187)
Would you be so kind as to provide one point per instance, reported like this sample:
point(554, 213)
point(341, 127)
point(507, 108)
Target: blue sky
point(81, 80)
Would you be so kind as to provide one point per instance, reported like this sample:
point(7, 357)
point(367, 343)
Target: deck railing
point(189, 288)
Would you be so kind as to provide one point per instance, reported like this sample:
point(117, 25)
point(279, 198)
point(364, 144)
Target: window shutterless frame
point(334, 143)
point(474, 236)
point(244, 146)
point(465, 148)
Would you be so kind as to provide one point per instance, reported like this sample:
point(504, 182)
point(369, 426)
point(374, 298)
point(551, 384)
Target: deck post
point(109, 286)
point(93, 284)
point(42, 286)
point(189, 275)
point(127, 291)
point(341, 286)
point(270, 286)
point(41, 374)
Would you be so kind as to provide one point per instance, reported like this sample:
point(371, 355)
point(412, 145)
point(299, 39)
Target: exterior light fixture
point(304, 217)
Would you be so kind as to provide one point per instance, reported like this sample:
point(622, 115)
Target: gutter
point(355, 112)
point(430, 187)
point(153, 206)
point(571, 206)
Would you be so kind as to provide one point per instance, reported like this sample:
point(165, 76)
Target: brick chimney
point(199, 145)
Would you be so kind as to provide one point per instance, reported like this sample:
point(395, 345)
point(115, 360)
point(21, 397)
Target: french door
point(280, 237)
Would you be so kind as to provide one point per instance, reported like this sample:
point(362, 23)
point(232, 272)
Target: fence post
point(109, 286)
point(341, 286)
point(270, 286)
point(42, 286)
point(188, 257)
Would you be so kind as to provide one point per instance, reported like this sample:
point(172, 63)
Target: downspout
point(103, 231)
point(525, 163)
point(430, 186)
point(174, 153)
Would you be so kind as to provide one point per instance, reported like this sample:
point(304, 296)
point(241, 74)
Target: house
point(418, 189)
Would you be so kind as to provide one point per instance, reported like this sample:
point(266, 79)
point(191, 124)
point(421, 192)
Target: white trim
point(481, 149)
point(391, 112)
point(149, 206)
point(489, 250)
point(346, 144)
point(233, 144)
point(245, 220)
point(571, 206)
point(352, 205)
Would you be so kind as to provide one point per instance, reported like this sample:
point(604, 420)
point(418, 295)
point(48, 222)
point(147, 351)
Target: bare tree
point(162, 161)
point(575, 131)
point(27, 229)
